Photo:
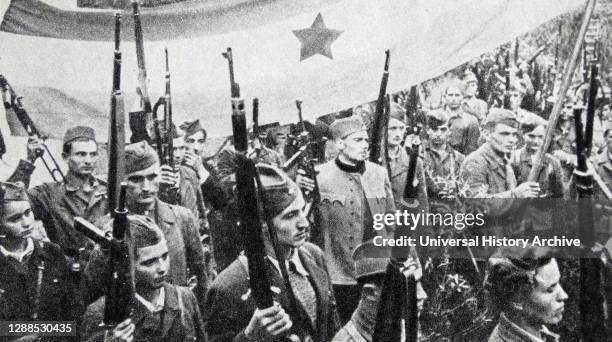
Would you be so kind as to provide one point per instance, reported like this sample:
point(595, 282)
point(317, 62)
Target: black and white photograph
point(306, 170)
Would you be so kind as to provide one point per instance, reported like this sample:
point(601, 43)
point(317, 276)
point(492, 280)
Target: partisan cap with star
point(79, 132)
point(279, 191)
point(12, 192)
point(342, 128)
point(501, 116)
point(139, 156)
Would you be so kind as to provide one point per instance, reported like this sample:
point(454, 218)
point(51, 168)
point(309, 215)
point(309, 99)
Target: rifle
point(507, 101)
point(116, 130)
point(120, 289)
point(164, 136)
point(248, 201)
point(140, 121)
point(378, 150)
point(13, 101)
point(305, 160)
point(411, 191)
point(591, 310)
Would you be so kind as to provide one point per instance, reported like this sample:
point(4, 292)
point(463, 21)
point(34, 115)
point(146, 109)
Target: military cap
point(501, 116)
point(469, 76)
point(79, 132)
point(518, 85)
point(176, 132)
point(279, 191)
point(143, 232)
point(192, 127)
point(371, 259)
point(341, 128)
point(12, 192)
point(397, 112)
point(436, 118)
point(139, 156)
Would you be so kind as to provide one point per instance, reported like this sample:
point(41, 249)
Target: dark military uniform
point(230, 305)
point(57, 204)
point(398, 165)
point(40, 288)
point(179, 320)
point(184, 250)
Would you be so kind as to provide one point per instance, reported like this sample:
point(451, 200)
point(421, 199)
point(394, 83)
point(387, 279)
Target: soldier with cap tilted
point(231, 313)
point(162, 311)
point(35, 283)
point(488, 171)
point(81, 194)
point(177, 223)
point(353, 190)
point(399, 161)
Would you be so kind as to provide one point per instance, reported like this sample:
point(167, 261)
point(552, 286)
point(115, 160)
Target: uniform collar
point(513, 332)
point(357, 168)
point(295, 259)
point(74, 183)
point(159, 304)
point(19, 256)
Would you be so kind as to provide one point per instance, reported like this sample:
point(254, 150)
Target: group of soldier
point(191, 279)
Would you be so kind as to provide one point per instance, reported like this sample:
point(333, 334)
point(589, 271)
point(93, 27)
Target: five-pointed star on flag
point(316, 39)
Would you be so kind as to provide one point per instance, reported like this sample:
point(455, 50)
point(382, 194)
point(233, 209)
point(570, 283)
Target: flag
point(327, 53)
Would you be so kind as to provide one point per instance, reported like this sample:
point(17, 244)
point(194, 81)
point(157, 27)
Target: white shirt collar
point(19, 256)
point(159, 304)
point(295, 258)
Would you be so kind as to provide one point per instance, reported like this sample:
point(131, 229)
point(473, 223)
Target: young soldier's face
point(515, 99)
point(503, 138)
point(546, 301)
point(179, 148)
point(16, 220)
point(471, 88)
point(438, 136)
point(143, 185)
point(395, 132)
point(453, 97)
point(195, 142)
point(355, 146)
point(83, 157)
point(535, 138)
point(151, 266)
point(291, 224)
point(605, 112)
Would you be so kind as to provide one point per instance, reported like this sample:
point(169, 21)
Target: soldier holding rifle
point(177, 223)
point(231, 312)
point(162, 311)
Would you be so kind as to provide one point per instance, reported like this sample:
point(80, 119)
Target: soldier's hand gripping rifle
point(141, 121)
point(14, 102)
point(120, 288)
point(378, 145)
point(164, 133)
point(248, 202)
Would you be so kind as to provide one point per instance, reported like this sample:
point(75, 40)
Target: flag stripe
point(175, 21)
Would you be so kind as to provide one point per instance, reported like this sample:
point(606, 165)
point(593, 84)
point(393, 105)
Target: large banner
point(328, 53)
